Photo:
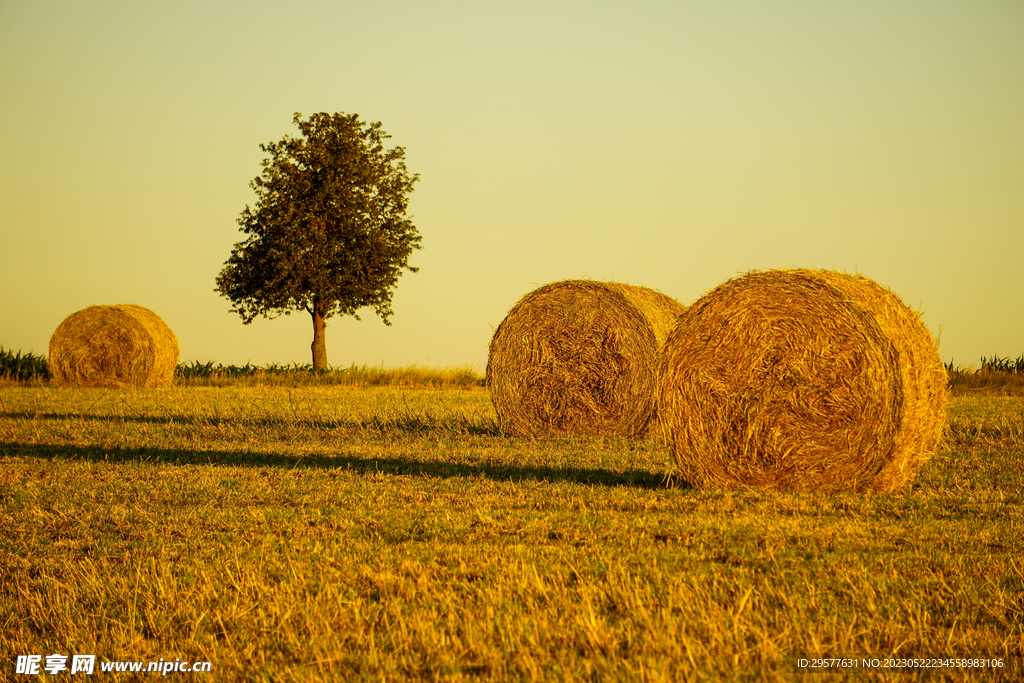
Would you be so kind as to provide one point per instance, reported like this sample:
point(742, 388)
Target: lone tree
point(329, 234)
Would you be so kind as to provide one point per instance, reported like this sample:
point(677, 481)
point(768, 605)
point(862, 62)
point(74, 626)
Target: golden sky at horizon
point(666, 144)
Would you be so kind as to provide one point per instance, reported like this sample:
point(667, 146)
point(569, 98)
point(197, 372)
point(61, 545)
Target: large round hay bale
point(800, 380)
point(579, 357)
point(113, 346)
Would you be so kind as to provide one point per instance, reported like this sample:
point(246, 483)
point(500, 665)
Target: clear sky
point(668, 144)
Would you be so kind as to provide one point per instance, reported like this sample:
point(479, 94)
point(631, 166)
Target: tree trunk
point(319, 345)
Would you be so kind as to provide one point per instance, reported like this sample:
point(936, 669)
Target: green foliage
point(996, 377)
point(197, 370)
point(997, 364)
point(297, 374)
point(22, 367)
point(329, 231)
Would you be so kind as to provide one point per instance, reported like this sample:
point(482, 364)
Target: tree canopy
point(329, 233)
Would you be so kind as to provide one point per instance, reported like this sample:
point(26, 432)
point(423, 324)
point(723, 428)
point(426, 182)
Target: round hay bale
point(113, 346)
point(579, 357)
point(801, 380)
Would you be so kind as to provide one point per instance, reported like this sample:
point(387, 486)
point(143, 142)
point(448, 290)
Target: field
point(325, 532)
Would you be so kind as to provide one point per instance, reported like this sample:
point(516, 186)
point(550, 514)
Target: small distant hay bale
point(801, 380)
point(113, 346)
point(579, 357)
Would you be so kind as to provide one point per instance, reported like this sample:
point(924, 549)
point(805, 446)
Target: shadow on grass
point(408, 422)
point(640, 479)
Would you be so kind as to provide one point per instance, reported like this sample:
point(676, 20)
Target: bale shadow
point(639, 479)
point(410, 423)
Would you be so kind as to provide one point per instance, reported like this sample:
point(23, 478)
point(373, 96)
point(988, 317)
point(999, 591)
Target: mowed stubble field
point(317, 533)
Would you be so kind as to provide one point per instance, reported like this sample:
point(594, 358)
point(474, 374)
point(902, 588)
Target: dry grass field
point(325, 533)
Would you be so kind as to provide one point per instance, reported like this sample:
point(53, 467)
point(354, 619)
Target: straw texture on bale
point(579, 357)
point(801, 380)
point(113, 346)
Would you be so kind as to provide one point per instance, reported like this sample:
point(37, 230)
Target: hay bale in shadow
point(801, 380)
point(579, 357)
point(113, 346)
